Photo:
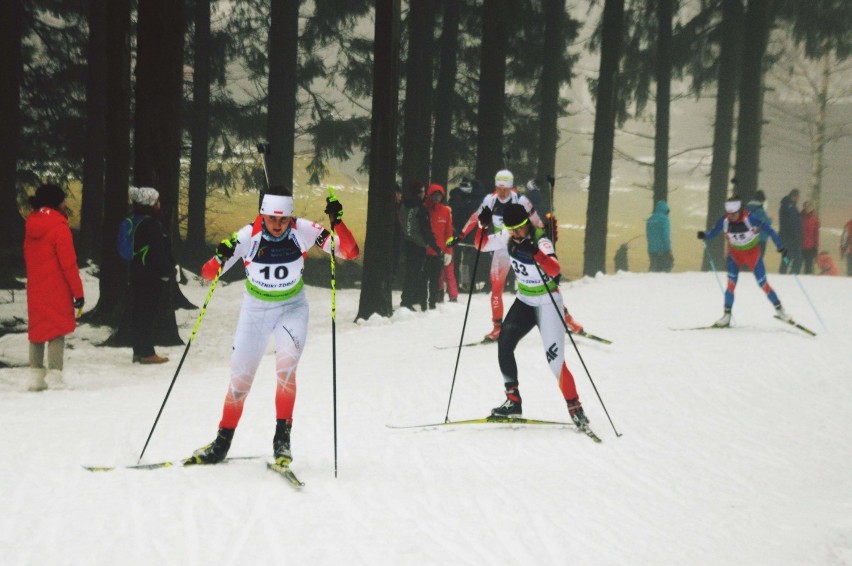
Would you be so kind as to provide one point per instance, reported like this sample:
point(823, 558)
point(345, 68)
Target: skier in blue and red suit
point(743, 232)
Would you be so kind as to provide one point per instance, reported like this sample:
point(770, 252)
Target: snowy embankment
point(736, 445)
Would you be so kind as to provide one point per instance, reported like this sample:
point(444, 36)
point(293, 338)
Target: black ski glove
point(225, 249)
point(702, 235)
point(783, 252)
point(79, 302)
point(485, 217)
point(334, 210)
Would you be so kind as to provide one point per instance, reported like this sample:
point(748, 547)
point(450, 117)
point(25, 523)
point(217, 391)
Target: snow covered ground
point(735, 447)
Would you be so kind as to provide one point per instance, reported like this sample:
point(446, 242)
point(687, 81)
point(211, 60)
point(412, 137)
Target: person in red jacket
point(54, 288)
point(810, 236)
point(826, 265)
point(441, 219)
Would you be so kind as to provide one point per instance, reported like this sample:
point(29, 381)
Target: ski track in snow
point(735, 447)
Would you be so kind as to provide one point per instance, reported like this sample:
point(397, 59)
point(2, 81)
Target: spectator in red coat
point(439, 263)
point(826, 265)
point(54, 288)
point(810, 236)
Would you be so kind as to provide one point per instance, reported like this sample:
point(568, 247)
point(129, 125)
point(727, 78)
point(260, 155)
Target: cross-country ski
point(487, 420)
point(164, 464)
point(792, 322)
point(285, 472)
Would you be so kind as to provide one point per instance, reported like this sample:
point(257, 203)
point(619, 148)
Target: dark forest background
point(176, 95)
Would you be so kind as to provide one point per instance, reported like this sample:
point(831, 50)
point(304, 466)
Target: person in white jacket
point(503, 195)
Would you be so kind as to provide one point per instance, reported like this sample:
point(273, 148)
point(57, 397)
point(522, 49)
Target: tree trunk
point(417, 126)
point(157, 148)
point(113, 274)
point(818, 161)
point(91, 211)
point(552, 61)
point(12, 71)
point(281, 101)
point(378, 248)
point(758, 20)
point(664, 79)
point(492, 90)
point(195, 247)
point(597, 210)
point(444, 94)
point(726, 98)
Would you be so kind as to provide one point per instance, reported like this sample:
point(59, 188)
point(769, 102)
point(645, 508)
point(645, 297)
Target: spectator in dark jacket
point(417, 234)
point(791, 232)
point(756, 208)
point(464, 200)
point(151, 270)
point(658, 231)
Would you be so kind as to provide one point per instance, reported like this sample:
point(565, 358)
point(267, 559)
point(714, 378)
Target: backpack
point(126, 235)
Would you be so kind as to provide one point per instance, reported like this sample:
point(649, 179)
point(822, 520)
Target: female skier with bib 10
point(273, 250)
point(536, 268)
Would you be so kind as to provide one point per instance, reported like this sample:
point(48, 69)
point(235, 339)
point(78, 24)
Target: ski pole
point(264, 150)
point(551, 180)
point(713, 267)
point(333, 333)
point(464, 324)
point(796, 277)
point(182, 358)
point(568, 331)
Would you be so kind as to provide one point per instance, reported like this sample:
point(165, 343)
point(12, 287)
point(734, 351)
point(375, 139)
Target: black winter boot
point(216, 451)
point(281, 442)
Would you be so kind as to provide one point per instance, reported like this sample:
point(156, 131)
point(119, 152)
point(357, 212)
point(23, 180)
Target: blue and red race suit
point(743, 248)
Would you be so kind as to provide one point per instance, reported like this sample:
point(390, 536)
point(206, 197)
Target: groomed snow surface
point(735, 449)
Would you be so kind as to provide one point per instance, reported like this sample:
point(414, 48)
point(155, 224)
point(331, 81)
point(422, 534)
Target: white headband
point(504, 179)
point(277, 205)
point(732, 206)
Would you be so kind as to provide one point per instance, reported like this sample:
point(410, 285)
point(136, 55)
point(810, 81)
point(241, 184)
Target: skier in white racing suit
point(537, 270)
point(503, 195)
point(273, 250)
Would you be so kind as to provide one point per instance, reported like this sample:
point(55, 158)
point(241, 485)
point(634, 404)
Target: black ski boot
point(216, 451)
point(281, 442)
point(511, 408)
point(575, 409)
